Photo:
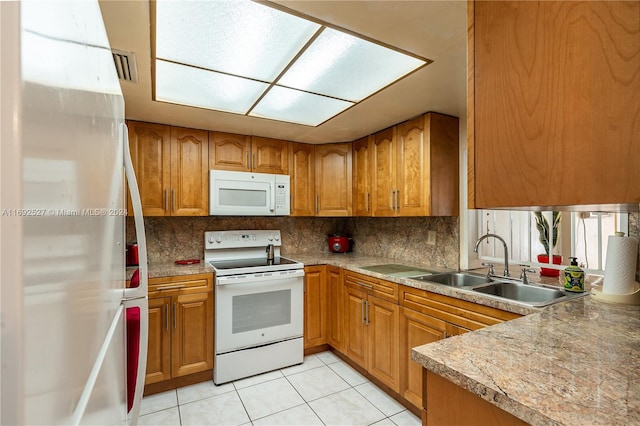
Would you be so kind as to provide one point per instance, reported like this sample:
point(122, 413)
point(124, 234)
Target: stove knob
point(270, 237)
point(217, 238)
point(210, 239)
point(277, 237)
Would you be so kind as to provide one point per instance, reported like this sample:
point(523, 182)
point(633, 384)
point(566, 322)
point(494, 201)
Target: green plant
point(543, 229)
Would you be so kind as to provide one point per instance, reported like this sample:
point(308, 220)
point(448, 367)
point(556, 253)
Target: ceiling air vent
point(125, 65)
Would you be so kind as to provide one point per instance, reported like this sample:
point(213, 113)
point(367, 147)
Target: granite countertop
point(170, 269)
point(574, 363)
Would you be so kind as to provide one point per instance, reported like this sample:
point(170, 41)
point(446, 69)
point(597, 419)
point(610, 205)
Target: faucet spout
point(506, 252)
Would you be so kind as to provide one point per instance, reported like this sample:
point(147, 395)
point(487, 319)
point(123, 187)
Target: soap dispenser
point(574, 277)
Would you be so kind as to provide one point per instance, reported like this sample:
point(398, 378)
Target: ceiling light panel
point(294, 106)
point(238, 37)
point(205, 89)
point(347, 67)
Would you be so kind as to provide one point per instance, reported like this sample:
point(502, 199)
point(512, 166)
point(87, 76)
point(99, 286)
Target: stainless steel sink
point(525, 293)
point(456, 279)
point(502, 288)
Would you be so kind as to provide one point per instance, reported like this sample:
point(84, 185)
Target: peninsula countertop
point(573, 363)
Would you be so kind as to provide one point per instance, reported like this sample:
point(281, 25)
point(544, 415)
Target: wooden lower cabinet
point(416, 329)
point(315, 306)
point(383, 323)
point(159, 348)
point(335, 308)
point(180, 327)
point(355, 330)
point(447, 404)
point(192, 338)
point(372, 329)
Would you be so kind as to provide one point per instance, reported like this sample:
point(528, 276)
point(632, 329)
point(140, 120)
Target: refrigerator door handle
point(141, 306)
point(136, 203)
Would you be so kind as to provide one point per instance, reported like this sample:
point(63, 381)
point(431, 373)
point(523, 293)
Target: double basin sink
point(537, 295)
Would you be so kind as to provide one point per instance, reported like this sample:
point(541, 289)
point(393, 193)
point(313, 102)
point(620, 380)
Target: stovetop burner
point(248, 263)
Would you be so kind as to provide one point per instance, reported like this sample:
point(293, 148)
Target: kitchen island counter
point(574, 363)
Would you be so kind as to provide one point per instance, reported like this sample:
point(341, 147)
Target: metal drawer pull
point(366, 317)
point(170, 287)
point(173, 199)
point(362, 311)
point(166, 199)
point(175, 315)
point(248, 161)
point(370, 287)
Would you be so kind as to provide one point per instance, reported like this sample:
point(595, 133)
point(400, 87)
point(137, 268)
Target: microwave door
point(242, 198)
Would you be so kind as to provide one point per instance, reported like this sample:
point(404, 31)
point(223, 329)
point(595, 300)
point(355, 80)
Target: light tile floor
point(323, 390)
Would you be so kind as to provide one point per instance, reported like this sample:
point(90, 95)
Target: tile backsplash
point(173, 238)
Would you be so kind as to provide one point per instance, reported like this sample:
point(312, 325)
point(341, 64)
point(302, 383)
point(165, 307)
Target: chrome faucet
point(506, 252)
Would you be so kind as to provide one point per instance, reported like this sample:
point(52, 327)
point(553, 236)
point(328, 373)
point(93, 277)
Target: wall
point(173, 238)
point(634, 231)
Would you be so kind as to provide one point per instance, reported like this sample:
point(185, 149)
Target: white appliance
point(258, 304)
point(248, 194)
point(74, 339)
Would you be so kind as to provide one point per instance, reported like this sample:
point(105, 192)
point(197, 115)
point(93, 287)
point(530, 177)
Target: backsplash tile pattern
point(406, 238)
point(173, 238)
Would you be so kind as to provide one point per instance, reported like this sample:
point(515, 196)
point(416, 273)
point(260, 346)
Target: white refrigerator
point(73, 338)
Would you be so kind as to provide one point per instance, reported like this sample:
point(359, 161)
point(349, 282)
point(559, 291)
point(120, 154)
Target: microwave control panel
point(282, 197)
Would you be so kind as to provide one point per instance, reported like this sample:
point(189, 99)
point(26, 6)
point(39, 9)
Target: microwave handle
point(272, 207)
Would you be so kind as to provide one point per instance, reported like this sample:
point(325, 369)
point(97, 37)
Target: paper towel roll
point(620, 266)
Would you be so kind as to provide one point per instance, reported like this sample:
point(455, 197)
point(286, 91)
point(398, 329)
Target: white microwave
point(248, 194)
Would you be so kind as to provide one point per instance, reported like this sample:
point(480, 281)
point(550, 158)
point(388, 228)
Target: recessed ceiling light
point(248, 58)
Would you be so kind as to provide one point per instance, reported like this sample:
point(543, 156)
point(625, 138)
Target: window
point(583, 235)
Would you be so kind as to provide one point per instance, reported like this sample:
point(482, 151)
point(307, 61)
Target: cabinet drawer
point(183, 284)
point(379, 288)
point(459, 312)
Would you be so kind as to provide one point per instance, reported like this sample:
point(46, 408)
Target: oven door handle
point(259, 277)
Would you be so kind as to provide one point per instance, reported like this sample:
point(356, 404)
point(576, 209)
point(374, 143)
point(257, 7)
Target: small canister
point(132, 254)
point(574, 277)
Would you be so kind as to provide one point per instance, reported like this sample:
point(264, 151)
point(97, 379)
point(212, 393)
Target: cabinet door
point(302, 172)
point(412, 169)
point(361, 178)
point(334, 184)
point(383, 173)
point(269, 155)
point(335, 308)
point(555, 103)
point(415, 329)
point(192, 339)
point(228, 151)
point(315, 306)
point(150, 146)
point(189, 172)
point(159, 347)
point(383, 323)
point(354, 325)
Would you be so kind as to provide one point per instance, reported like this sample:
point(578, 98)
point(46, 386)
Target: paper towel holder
point(624, 299)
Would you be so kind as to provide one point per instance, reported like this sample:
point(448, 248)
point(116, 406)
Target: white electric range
point(258, 304)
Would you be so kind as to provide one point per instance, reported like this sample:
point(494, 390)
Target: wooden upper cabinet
point(150, 146)
point(241, 153)
point(427, 172)
point(414, 168)
point(333, 179)
point(362, 177)
point(228, 151)
point(553, 103)
point(189, 172)
point(171, 165)
point(302, 172)
point(383, 173)
point(269, 155)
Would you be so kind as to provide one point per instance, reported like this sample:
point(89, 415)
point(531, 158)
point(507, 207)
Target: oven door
point(258, 309)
